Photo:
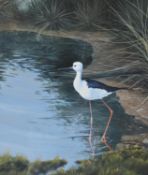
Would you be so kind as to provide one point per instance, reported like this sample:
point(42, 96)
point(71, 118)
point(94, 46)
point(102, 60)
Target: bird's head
point(77, 66)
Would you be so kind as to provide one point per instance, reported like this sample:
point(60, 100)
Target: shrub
point(90, 14)
point(132, 19)
point(132, 161)
point(50, 14)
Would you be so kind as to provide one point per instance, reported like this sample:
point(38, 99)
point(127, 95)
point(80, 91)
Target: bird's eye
point(74, 65)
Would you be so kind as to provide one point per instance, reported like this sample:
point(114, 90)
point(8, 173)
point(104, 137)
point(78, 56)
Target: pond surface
point(41, 114)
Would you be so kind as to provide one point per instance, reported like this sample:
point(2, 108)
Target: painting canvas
point(73, 87)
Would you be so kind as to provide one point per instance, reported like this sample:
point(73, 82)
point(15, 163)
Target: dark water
point(41, 116)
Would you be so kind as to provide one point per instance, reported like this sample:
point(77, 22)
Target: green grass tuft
point(13, 165)
point(50, 14)
point(89, 14)
point(43, 167)
point(132, 161)
point(19, 165)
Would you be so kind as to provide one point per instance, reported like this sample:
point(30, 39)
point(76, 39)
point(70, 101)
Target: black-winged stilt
point(93, 90)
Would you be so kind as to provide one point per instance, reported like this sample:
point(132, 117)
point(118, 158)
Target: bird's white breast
point(89, 93)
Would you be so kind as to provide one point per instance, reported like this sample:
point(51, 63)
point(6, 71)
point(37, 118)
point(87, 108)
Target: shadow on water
point(42, 116)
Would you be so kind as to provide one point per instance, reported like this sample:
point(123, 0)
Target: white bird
point(93, 90)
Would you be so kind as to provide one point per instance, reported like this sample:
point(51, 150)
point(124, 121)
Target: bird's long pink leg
point(104, 140)
point(91, 129)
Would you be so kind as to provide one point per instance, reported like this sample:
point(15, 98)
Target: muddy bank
point(135, 103)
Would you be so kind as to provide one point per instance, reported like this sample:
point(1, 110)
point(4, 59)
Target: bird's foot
point(103, 139)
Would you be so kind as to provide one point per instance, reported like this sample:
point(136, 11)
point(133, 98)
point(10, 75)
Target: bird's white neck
point(78, 75)
point(77, 80)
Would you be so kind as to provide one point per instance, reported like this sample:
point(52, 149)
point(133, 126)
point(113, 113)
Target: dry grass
point(130, 39)
point(50, 14)
point(9, 10)
point(4, 6)
point(89, 14)
point(58, 14)
point(133, 17)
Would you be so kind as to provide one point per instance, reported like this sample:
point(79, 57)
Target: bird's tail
point(130, 88)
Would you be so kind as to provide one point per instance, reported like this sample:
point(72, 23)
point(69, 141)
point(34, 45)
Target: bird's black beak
point(66, 69)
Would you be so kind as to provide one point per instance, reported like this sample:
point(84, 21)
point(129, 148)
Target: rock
point(145, 141)
point(133, 140)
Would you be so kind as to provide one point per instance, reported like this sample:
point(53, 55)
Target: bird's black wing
point(100, 85)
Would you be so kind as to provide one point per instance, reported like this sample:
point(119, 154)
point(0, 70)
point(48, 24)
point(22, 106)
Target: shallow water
point(43, 117)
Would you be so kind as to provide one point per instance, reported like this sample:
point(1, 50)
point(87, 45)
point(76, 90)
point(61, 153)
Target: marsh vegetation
point(126, 24)
point(131, 161)
point(19, 165)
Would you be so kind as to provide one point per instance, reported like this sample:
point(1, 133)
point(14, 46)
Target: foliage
point(130, 31)
point(58, 14)
point(39, 167)
point(133, 25)
point(4, 6)
point(19, 165)
point(50, 14)
point(133, 161)
point(89, 14)
point(13, 165)
point(10, 10)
